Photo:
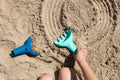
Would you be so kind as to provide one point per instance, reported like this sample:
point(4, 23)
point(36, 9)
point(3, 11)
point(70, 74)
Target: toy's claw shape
point(26, 48)
point(66, 41)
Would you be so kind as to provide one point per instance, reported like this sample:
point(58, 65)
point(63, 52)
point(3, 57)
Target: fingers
point(78, 50)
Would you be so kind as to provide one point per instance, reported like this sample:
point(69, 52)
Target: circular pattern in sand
point(94, 21)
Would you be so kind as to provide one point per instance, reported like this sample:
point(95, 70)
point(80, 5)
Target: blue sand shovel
point(66, 40)
point(25, 48)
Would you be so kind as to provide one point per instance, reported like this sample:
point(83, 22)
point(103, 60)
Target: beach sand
point(95, 25)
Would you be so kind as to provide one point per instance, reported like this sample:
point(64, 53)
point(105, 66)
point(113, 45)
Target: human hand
point(81, 59)
point(80, 56)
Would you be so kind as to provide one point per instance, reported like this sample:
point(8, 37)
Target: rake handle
point(72, 48)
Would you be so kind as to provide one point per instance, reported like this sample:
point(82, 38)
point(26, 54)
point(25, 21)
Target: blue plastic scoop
point(66, 40)
point(25, 48)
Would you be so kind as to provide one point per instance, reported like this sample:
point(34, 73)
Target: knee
point(65, 70)
point(69, 73)
point(45, 77)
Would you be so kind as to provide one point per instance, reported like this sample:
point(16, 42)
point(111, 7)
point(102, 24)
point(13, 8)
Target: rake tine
point(59, 39)
point(56, 42)
point(65, 34)
point(62, 37)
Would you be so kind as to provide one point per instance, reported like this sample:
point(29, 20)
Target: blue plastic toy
point(26, 48)
point(66, 40)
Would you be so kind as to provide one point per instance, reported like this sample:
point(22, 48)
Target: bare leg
point(46, 77)
point(67, 74)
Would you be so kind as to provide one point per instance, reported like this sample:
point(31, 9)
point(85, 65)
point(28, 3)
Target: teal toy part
point(66, 40)
point(25, 48)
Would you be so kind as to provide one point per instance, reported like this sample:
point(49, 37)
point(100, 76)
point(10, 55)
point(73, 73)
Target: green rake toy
point(66, 40)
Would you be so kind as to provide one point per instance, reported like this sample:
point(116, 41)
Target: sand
point(95, 25)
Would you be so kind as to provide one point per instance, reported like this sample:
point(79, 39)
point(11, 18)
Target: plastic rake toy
point(66, 40)
point(25, 48)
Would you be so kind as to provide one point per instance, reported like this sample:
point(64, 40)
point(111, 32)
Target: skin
point(80, 57)
point(69, 74)
point(46, 77)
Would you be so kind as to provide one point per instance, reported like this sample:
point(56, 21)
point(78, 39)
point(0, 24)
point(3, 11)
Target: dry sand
point(95, 25)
